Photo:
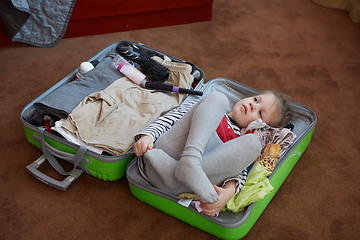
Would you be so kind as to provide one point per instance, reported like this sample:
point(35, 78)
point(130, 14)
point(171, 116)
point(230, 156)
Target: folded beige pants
point(109, 119)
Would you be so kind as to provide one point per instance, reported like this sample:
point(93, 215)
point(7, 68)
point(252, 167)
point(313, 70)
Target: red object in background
point(91, 18)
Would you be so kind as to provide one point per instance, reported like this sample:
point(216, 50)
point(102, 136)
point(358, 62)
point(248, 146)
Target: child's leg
point(164, 166)
point(204, 122)
point(230, 158)
point(225, 161)
point(196, 128)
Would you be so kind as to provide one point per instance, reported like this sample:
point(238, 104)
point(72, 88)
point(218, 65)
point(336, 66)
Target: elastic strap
point(52, 160)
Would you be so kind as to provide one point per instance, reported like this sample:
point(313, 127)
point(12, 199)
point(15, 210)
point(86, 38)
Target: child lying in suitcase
point(208, 147)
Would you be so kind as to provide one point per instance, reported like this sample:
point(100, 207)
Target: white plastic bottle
point(84, 68)
point(129, 71)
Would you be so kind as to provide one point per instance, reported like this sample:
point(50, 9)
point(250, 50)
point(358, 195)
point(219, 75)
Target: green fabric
point(256, 186)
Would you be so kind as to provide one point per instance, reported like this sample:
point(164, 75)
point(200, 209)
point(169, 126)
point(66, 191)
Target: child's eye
point(260, 114)
point(255, 99)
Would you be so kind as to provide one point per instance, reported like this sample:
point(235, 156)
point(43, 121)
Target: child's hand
point(225, 194)
point(142, 145)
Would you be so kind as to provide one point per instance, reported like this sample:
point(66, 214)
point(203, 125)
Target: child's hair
point(284, 107)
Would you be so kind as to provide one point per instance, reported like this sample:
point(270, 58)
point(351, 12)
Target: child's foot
point(190, 172)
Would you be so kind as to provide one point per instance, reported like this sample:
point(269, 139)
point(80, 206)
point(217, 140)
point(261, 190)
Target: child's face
point(265, 106)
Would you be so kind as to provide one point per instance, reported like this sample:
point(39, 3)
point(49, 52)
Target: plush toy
point(269, 156)
point(193, 196)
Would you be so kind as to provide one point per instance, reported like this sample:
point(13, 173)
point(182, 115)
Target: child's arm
point(164, 123)
point(225, 194)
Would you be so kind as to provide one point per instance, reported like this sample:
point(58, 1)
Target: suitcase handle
point(61, 185)
point(70, 157)
point(49, 154)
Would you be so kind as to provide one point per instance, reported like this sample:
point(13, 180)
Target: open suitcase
point(103, 166)
point(228, 225)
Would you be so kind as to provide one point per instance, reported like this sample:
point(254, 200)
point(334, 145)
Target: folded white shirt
point(71, 138)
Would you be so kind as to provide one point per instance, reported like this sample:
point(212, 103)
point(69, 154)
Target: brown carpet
point(310, 52)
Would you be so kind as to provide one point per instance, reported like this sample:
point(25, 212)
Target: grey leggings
point(195, 135)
